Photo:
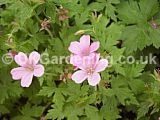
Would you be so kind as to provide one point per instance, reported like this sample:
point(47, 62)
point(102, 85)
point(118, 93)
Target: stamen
point(30, 68)
point(90, 71)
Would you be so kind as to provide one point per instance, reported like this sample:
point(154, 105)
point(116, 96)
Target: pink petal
point(89, 61)
point(34, 57)
point(94, 46)
point(21, 59)
point(85, 42)
point(79, 76)
point(38, 70)
point(75, 47)
point(71, 59)
point(84, 63)
point(101, 66)
point(17, 73)
point(27, 79)
point(94, 79)
point(96, 58)
point(75, 60)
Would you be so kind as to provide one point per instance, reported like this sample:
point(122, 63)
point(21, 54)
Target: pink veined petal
point(94, 79)
point(75, 60)
point(38, 70)
point(97, 57)
point(71, 59)
point(89, 61)
point(17, 73)
point(79, 76)
point(101, 65)
point(21, 59)
point(94, 46)
point(85, 42)
point(83, 63)
point(27, 79)
point(34, 57)
point(75, 47)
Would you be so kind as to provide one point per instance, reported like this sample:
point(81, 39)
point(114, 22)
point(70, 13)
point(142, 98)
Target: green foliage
point(29, 112)
point(8, 89)
point(137, 12)
point(127, 91)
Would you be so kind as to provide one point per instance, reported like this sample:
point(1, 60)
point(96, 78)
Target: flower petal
point(34, 57)
point(38, 70)
point(94, 46)
point(89, 61)
point(21, 59)
point(27, 79)
point(76, 60)
point(17, 73)
point(94, 79)
point(75, 47)
point(79, 76)
point(101, 65)
point(95, 56)
point(85, 42)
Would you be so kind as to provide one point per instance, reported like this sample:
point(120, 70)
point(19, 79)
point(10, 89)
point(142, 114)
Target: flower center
point(30, 68)
point(86, 52)
point(90, 71)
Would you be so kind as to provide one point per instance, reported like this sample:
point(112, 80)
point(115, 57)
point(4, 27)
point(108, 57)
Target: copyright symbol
point(6, 59)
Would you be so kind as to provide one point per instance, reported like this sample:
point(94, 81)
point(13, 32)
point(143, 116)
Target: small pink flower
point(90, 70)
point(45, 24)
point(29, 68)
point(81, 49)
point(154, 24)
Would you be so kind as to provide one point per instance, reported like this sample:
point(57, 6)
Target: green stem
point(37, 17)
point(49, 32)
point(96, 87)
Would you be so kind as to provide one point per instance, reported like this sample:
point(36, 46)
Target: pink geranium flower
point(81, 49)
point(90, 69)
point(29, 67)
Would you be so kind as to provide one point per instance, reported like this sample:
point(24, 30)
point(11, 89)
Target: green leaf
point(47, 91)
point(134, 70)
point(29, 112)
point(135, 37)
point(8, 88)
point(137, 85)
point(92, 113)
point(32, 111)
point(50, 8)
point(111, 9)
point(24, 11)
point(3, 109)
point(137, 11)
point(143, 110)
point(109, 110)
point(155, 36)
point(125, 96)
point(58, 98)
point(5, 1)
point(54, 114)
point(114, 32)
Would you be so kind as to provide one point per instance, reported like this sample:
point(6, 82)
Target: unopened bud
point(80, 32)
point(154, 24)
